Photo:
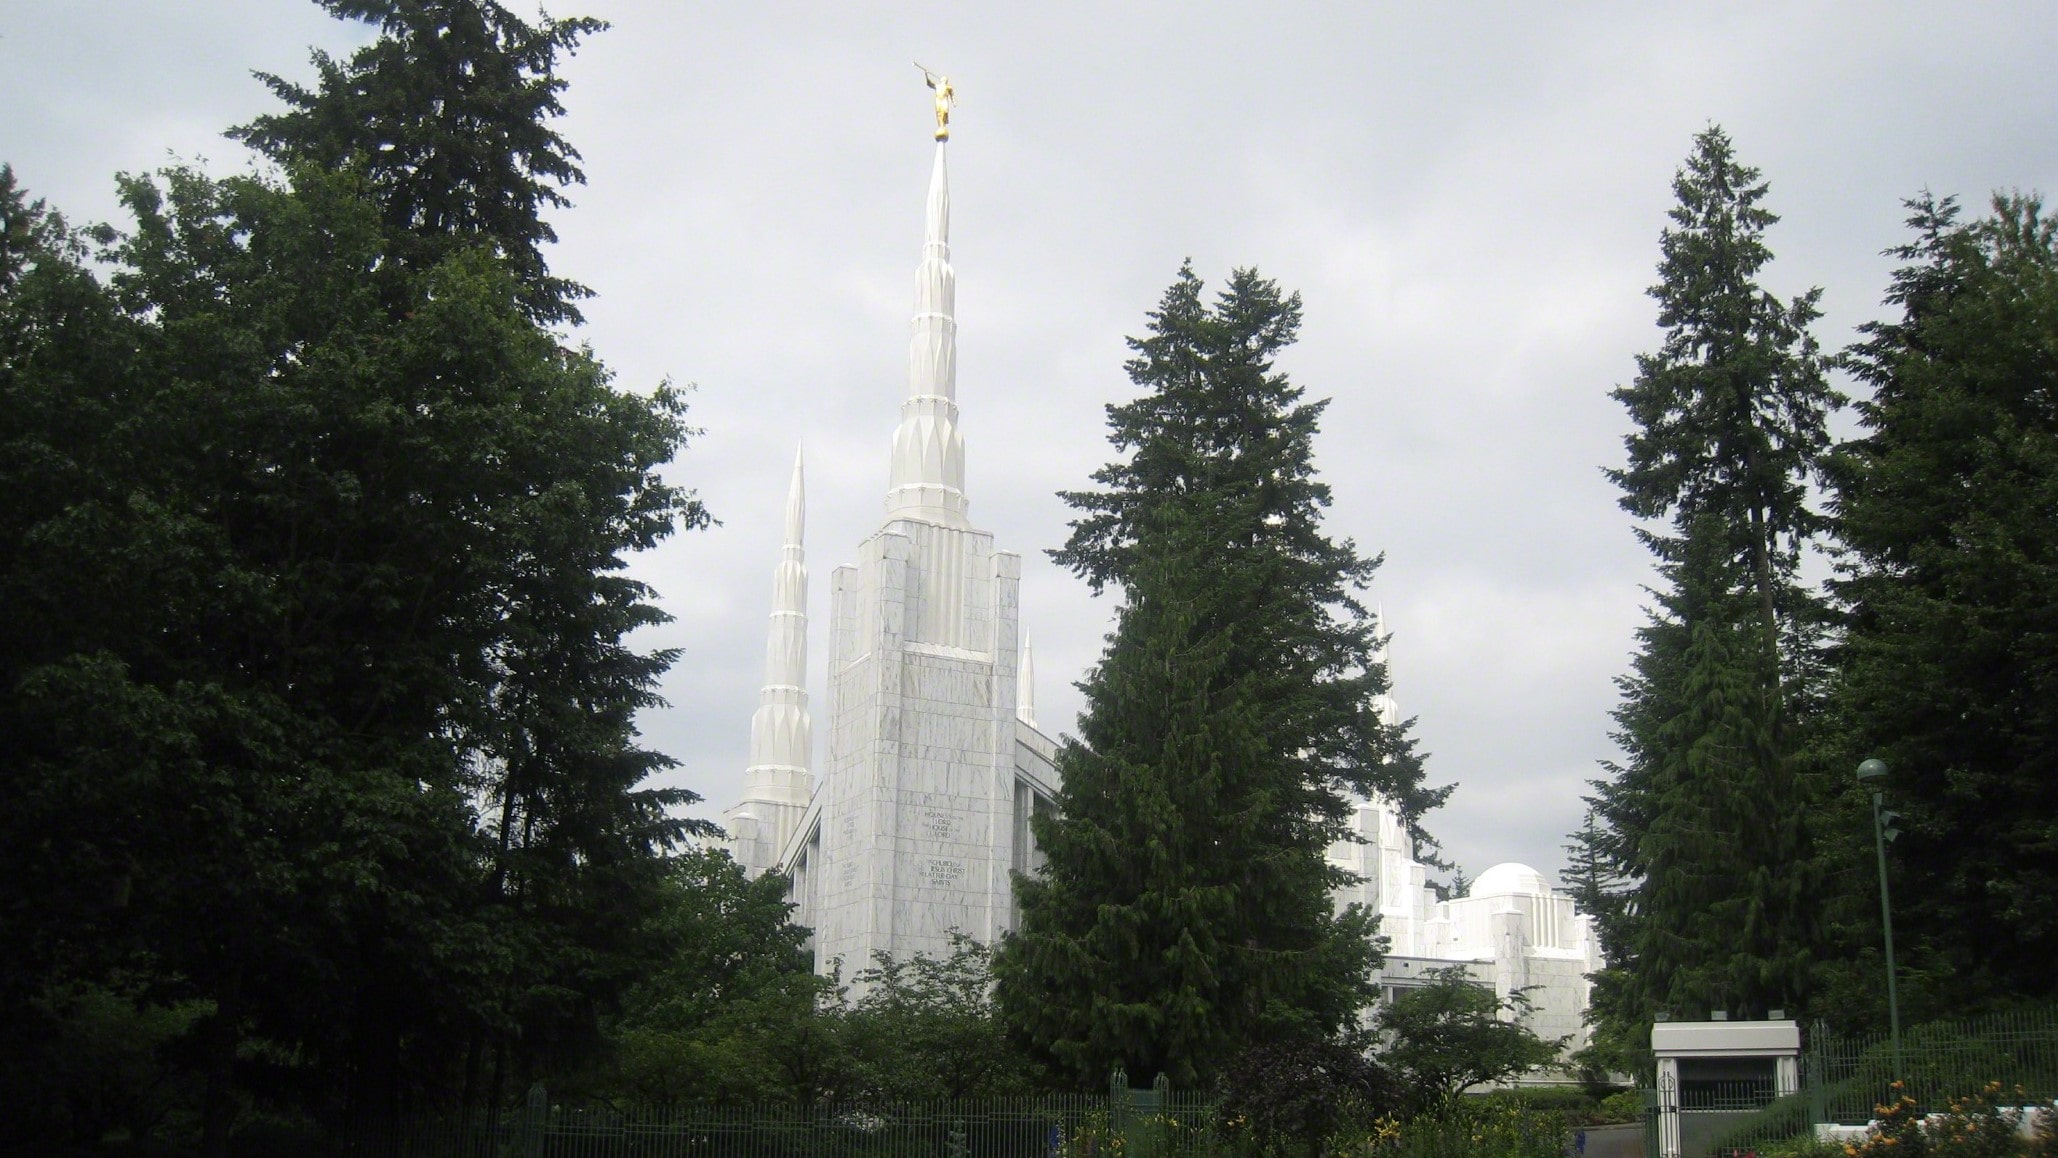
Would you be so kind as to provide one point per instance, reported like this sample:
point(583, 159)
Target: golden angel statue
point(945, 98)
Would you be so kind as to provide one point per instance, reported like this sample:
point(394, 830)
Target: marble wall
point(920, 814)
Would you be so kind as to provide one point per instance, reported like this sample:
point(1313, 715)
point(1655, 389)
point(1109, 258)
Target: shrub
point(1974, 1126)
point(1287, 1097)
point(1479, 1128)
point(1620, 1106)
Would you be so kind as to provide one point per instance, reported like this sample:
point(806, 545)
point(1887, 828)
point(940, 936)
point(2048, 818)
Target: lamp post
point(1873, 774)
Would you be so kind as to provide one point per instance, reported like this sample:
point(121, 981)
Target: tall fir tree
point(1185, 911)
point(1704, 814)
point(318, 550)
point(447, 120)
point(1590, 874)
point(447, 115)
point(1945, 507)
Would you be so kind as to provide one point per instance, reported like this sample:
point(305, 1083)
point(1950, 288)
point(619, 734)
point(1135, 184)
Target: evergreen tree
point(313, 548)
point(447, 115)
point(1590, 874)
point(1459, 885)
point(1185, 912)
point(1945, 508)
point(1704, 814)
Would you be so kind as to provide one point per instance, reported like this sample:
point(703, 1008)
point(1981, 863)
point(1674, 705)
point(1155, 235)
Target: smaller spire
point(777, 783)
point(1389, 711)
point(781, 732)
point(796, 503)
point(1025, 684)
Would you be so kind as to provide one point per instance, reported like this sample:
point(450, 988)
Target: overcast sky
point(1467, 196)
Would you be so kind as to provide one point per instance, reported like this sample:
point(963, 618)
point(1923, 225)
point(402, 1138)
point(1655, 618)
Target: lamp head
point(1872, 772)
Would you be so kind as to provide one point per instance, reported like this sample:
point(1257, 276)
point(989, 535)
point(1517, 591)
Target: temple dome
point(1509, 878)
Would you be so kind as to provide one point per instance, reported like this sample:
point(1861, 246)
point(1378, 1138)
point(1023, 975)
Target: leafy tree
point(1950, 576)
point(927, 1028)
point(1185, 911)
point(447, 118)
point(1704, 817)
point(82, 746)
point(314, 548)
point(736, 1002)
point(1451, 1034)
point(1290, 1097)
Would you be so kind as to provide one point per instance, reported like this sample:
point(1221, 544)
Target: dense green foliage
point(739, 1016)
point(318, 708)
point(1705, 817)
point(447, 119)
point(1451, 1034)
point(1290, 1097)
point(1733, 868)
point(1947, 507)
point(729, 1014)
point(1185, 911)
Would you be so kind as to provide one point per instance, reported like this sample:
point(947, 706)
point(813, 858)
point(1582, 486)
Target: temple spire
point(776, 785)
point(928, 477)
point(781, 731)
point(1389, 711)
point(1025, 684)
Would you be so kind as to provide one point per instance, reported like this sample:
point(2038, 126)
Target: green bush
point(1285, 1099)
point(1576, 1104)
point(1620, 1107)
point(1472, 1128)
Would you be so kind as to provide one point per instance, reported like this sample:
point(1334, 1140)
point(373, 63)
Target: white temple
point(1510, 929)
point(935, 762)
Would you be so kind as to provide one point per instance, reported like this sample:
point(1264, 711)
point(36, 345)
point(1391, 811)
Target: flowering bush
point(1473, 1128)
point(1142, 1136)
point(1976, 1126)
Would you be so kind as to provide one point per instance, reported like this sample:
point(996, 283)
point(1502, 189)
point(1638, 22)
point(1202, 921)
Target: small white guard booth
point(1711, 1072)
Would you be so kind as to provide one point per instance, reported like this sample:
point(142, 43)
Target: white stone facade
point(1510, 929)
point(934, 762)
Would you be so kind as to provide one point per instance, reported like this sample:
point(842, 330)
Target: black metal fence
point(1847, 1077)
point(1134, 1124)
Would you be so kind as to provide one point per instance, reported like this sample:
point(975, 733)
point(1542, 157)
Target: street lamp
point(1873, 775)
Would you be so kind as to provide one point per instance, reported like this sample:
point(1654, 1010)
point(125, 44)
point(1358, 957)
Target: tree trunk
point(218, 1105)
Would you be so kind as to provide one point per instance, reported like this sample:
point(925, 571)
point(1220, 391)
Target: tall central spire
point(928, 480)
